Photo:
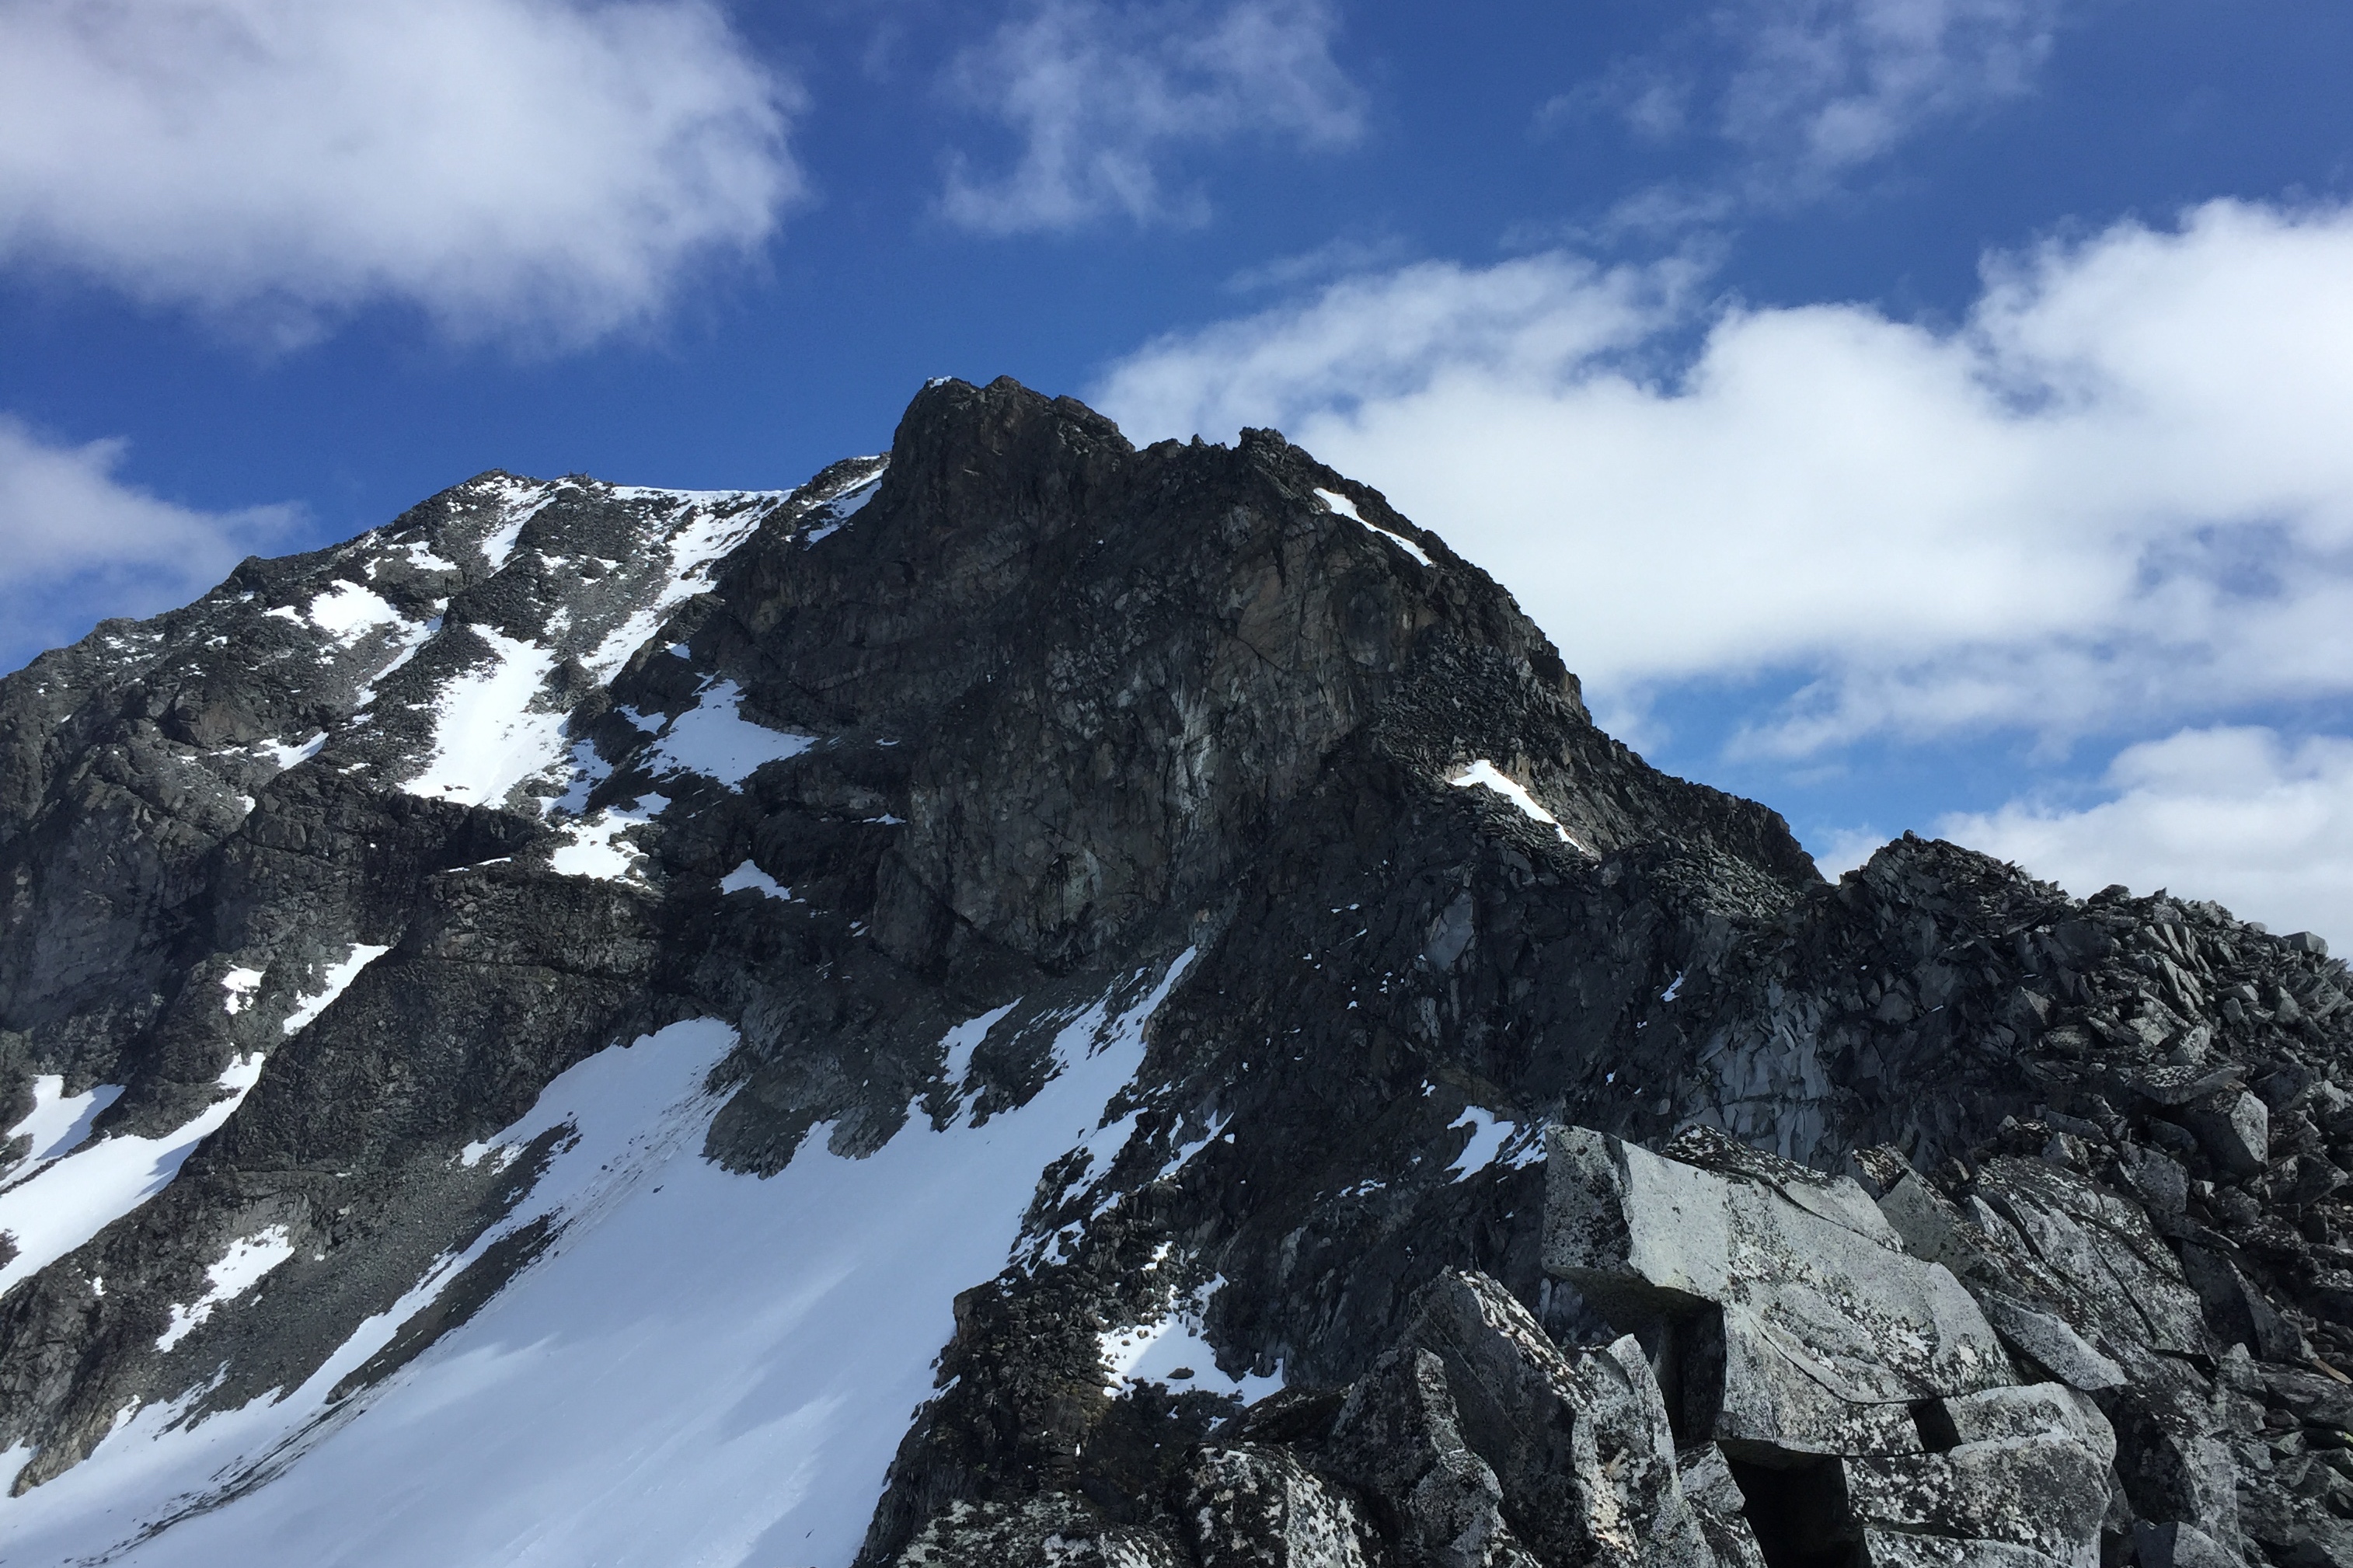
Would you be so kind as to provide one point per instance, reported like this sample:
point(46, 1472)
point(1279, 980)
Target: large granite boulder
point(1799, 1328)
point(1856, 1394)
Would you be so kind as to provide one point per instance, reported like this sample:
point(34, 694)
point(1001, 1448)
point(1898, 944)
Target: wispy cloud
point(1826, 85)
point(1799, 95)
point(538, 170)
point(2117, 495)
point(1099, 96)
point(73, 533)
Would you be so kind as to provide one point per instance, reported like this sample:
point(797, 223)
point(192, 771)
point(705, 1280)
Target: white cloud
point(1369, 341)
point(68, 526)
point(543, 168)
point(1842, 849)
point(1099, 93)
point(2240, 815)
point(2118, 494)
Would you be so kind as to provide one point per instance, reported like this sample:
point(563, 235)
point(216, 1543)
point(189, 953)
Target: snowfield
point(704, 1369)
point(87, 1186)
point(486, 740)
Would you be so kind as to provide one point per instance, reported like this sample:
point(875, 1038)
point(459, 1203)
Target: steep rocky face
point(1004, 1003)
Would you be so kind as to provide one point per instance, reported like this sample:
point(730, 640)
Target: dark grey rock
point(1582, 1449)
point(2235, 1128)
point(1252, 1506)
point(1398, 1438)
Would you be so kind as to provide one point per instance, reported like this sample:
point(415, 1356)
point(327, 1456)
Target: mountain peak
point(587, 1000)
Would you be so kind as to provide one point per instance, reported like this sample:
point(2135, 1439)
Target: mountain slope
point(595, 1023)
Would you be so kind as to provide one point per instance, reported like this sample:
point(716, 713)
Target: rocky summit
point(1030, 1001)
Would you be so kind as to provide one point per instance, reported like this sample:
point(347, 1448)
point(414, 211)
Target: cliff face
point(642, 1023)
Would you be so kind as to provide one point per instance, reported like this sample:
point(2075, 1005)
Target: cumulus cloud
point(70, 530)
point(2119, 493)
point(545, 167)
point(2239, 815)
point(1100, 94)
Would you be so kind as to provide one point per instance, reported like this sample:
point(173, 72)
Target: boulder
point(1256, 1506)
point(2046, 1493)
point(2172, 1457)
point(2031, 1410)
point(1398, 1436)
point(2233, 1127)
point(2110, 1263)
point(1802, 1327)
point(2051, 1343)
point(2176, 1545)
point(1993, 1260)
point(1050, 1531)
point(2238, 1313)
point(1581, 1447)
point(1894, 1549)
point(1717, 1503)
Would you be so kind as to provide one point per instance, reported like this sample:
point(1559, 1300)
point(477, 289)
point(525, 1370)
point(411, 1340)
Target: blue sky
point(1922, 413)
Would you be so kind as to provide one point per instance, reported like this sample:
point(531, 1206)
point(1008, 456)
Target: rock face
point(1030, 1000)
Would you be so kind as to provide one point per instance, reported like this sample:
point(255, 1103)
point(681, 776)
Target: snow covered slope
point(700, 1367)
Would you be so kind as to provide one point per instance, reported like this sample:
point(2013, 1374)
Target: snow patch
point(240, 1270)
point(960, 1042)
point(333, 983)
point(58, 1121)
point(707, 527)
point(412, 636)
point(714, 738)
point(843, 507)
point(588, 771)
point(346, 612)
point(849, 504)
point(240, 984)
point(748, 877)
point(285, 756)
point(523, 502)
point(1157, 1351)
point(591, 850)
point(1487, 774)
point(486, 740)
point(1185, 1152)
point(1492, 1139)
point(66, 1202)
point(1347, 508)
